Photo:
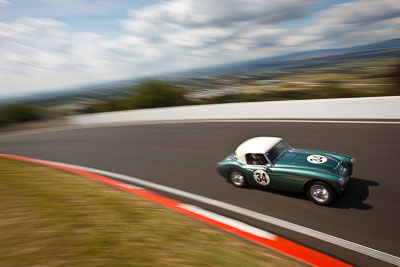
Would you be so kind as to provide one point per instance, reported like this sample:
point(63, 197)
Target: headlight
point(353, 161)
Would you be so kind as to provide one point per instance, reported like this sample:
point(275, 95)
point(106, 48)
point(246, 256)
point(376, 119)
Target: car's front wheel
point(237, 178)
point(320, 193)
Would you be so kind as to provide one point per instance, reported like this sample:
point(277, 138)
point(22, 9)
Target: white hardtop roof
point(257, 145)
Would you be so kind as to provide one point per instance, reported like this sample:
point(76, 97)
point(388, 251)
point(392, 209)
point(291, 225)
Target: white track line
point(243, 120)
point(251, 214)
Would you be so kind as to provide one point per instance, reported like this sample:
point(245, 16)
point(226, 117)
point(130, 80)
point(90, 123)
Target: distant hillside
point(388, 48)
point(388, 44)
point(298, 60)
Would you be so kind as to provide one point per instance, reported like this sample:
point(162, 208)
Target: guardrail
point(339, 108)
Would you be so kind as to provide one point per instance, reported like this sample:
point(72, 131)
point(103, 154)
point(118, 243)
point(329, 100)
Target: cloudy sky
point(47, 45)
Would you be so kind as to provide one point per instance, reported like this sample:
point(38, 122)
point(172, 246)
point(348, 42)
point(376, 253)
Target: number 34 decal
point(261, 177)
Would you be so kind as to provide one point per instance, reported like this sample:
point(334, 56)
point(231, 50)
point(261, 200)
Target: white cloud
point(352, 23)
point(222, 13)
point(4, 2)
point(226, 30)
point(194, 23)
point(42, 53)
point(27, 44)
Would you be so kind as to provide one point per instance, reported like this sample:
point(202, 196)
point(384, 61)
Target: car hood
point(305, 159)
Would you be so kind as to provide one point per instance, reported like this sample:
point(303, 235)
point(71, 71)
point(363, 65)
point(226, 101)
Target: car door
point(261, 175)
point(285, 180)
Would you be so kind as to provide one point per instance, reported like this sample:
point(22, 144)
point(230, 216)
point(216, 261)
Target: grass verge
point(52, 218)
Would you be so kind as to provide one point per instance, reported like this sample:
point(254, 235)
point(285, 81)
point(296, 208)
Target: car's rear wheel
point(320, 193)
point(237, 178)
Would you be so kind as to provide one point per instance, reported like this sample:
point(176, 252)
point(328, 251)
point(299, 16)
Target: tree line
point(150, 94)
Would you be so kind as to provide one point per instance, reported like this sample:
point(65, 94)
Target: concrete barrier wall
point(343, 108)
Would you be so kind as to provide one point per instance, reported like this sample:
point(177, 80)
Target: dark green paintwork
point(292, 171)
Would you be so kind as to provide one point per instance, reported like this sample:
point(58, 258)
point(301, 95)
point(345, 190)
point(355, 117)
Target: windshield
point(280, 148)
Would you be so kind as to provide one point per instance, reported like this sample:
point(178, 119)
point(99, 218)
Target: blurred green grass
point(52, 218)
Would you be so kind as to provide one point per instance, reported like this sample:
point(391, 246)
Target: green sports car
point(271, 163)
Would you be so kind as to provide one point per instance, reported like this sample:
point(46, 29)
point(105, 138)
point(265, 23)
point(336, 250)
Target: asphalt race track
point(184, 156)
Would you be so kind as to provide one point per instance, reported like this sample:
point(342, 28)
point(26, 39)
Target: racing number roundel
point(317, 159)
point(261, 177)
